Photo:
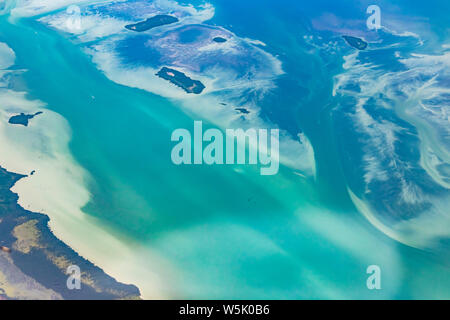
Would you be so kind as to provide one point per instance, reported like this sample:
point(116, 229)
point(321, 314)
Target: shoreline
point(35, 267)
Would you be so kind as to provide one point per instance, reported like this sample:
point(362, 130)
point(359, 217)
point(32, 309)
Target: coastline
point(35, 267)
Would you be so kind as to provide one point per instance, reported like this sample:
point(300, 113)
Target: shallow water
point(226, 233)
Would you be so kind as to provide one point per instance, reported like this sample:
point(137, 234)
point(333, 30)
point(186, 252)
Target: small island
point(181, 80)
point(153, 22)
point(23, 118)
point(242, 110)
point(219, 40)
point(355, 42)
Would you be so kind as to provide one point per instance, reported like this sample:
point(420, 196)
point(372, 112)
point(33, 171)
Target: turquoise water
point(229, 234)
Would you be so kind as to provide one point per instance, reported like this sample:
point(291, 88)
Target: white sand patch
point(7, 56)
point(30, 8)
point(88, 27)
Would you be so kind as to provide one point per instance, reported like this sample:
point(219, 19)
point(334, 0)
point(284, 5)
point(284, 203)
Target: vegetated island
point(23, 118)
point(219, 40)
point(153, 22)
point(181, 80)
point(355, 42)
point(242, 110)
point(33, 262)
